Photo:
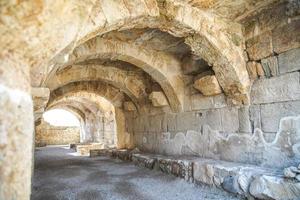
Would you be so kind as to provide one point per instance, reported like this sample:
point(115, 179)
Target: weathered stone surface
point(101, 152)
point(271, 114)
point(270, 66)
point(144, 160)
point(290, 172)
point(192, 66)
point(283, 88)
point(260, 46)
point(54, 135)
point(291, 39)
point(158, 99)
point(200, 102)
point(289, 61)
point(208, 85)
point(129, 106)
point(40, 98)
point(245, 125)
point(268, 187)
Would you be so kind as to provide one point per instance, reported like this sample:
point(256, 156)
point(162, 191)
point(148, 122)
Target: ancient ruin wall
point(47, 134)
point(266, 132)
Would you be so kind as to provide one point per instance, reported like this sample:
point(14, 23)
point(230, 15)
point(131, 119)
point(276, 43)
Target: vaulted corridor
point(207, 91)
point(61, 175)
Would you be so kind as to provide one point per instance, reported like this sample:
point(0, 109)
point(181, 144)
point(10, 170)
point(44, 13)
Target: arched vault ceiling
point(162, 67)
point(45, 32)
point(129, 82)
point(97, 102)
point(211, 37)
point(111, 94)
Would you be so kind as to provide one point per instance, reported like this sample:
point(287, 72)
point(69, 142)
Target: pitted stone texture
point(40, 98)
point(144, 160)
point(289, 61)
point(158, 99)
point(255, 70)
point(270, 66)
point(282, 88)
point(268, 187)
point(129, 106)
point(208, 85)
point(53, 135)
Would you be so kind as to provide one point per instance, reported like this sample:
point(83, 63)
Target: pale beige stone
point(208, 85)
point(129, 106)
point(158, 99)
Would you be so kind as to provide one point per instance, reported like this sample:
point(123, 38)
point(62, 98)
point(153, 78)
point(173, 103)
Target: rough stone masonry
point(215, 80)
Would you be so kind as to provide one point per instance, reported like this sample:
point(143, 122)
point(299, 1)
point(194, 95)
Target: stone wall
point(266, 132)
point(47, 134)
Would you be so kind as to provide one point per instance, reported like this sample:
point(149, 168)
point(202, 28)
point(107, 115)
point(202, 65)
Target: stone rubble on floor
point(246, 181)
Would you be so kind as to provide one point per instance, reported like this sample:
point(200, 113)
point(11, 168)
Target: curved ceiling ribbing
point(216, 40)
point(129, 82)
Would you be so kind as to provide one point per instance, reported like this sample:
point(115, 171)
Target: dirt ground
point(62, 175)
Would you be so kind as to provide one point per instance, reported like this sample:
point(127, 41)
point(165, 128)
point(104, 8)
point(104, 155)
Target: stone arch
point(162, 67)
point(113, 95)
point(218, 41)
point(90, 129)
point(104, 90)
point(128, 82)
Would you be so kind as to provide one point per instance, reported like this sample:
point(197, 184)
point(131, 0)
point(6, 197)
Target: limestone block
point(144, 160)
point(244, 120)
point(270, 187)
point(208, 85)
point(255, 70)
point(289, 61)
point(259, 46)
point(129, 106)
point(200, 102)
point(252, 71)
point(271, 114)
point(289, 40)
point(100, 152)
point(176, 167)
point(40, 98)
point(158, 99)
point(255, 117)
point(188, 121)
point(229, 119)
point(155, 123)
point(270, 66)
point(282, 88)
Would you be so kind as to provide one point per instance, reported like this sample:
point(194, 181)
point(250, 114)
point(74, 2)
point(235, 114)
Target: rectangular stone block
point(255, 119)
point(156, 123)
point(260, 46)
point(286, 37)
point(282, 88)
point(187, 121)
point(230, 119)
point(144, 160)
point(200, 102)
point(272, 113)
point(270, 66)
point(244, 120)
point(289, 61)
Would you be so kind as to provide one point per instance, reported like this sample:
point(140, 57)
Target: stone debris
point(292, 172)
point(247, 181)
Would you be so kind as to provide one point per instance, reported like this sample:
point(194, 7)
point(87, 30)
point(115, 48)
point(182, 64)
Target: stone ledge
point(85, 148)
point(241, 179)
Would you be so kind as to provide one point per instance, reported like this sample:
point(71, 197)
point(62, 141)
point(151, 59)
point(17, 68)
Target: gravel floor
point(61, 175)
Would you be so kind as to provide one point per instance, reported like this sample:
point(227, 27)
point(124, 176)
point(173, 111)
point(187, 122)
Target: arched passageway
point(188, 87)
